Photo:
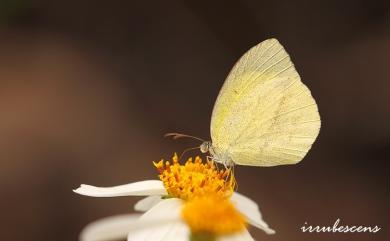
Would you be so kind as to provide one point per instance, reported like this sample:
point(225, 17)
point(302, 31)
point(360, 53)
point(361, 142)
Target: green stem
point(202, 237)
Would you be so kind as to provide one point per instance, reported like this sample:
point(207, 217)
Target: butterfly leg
point(214, 160)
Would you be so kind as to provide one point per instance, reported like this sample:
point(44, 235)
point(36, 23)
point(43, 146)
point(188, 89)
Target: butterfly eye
point(204, 147)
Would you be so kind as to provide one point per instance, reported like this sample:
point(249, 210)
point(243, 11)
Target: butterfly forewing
point(264, 115)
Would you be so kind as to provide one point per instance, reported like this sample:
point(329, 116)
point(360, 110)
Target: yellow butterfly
point(264, 115)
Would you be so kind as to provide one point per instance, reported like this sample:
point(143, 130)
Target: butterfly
point(264, 115)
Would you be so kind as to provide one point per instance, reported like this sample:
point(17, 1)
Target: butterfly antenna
point(186, 150)
point(179, 135)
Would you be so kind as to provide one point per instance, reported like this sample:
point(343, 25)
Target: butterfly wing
point(264, 115)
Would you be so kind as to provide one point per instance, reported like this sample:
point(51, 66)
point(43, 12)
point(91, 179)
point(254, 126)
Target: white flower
point(161, 220)
point(179, 206)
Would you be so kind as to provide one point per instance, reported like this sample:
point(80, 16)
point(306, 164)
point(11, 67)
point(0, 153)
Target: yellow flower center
point(212, 215)
point(194, 178)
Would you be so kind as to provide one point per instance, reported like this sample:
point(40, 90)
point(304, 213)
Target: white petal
point(172, 231)
point(166, 209)
point(161, 223)
point(110, 228)
point(179, 232)
point(142, 188)
point(241, 236)
point(251, 211)
point(243, 200)
point(147, 203)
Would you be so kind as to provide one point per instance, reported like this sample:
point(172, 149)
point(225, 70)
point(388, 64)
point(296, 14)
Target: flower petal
point(161, 223)
point(241, 236)
point(251, 211)
point(147, 203)
point(169, 209)
point(142, 188)
point(177, 231)
point(110, 228)
point(243, 200)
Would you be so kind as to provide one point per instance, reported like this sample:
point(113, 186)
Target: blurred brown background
point(88, 88)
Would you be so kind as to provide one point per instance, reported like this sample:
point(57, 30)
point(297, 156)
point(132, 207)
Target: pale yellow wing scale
point(264, 115)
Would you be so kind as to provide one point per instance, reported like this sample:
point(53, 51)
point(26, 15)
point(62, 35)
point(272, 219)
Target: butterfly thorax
point(216, 154)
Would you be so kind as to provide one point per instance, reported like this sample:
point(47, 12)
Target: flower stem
point(202, 237)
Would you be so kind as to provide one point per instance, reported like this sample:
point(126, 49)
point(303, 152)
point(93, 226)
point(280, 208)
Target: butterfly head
point(205, 147)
